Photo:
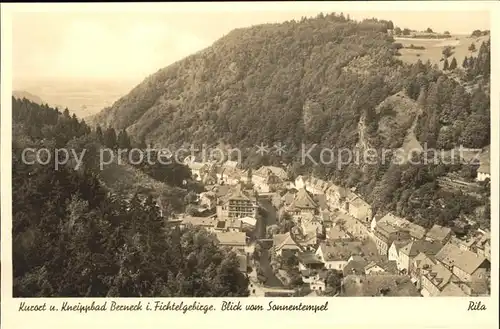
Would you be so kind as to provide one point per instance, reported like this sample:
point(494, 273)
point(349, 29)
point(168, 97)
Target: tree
point(123, 140)
point(472, 47)
point(453, 64)
point(109, 138)
point(397, 31)
point(476, 33)
point(465, 63)
point(447, 32)
point(429, 30)
point(333, 281)
point(445, 65)
point(447, 52)
point(406, 31)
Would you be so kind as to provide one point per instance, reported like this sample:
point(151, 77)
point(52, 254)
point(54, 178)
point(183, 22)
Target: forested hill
point(71, 238)
point(252, 85)
point(328, 81)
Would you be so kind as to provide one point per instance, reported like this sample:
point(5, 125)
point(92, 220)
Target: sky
point(125, 45)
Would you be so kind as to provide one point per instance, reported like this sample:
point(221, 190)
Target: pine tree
point(98, 132)
point(453, 64)
point(445, 65)
point(465, 63)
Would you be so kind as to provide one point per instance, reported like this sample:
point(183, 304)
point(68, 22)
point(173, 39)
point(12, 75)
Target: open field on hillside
point(434, 47)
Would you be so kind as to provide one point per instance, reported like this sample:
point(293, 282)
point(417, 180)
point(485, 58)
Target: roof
point(321, 201)
point(196, 165)
point(288, 197)
point(231, 238)
point(439, 275)
point(422, 260)
point(438, 233)
point(416, 231)
point(452, 290)
point(413, 248)
point(303, 200)
point(467, 261)
point(230, 164)
point(308, 258)
point(277, 171)
point(234, 223)
point(284, 241)
point(340, 251)
point(249, 220)
point(337, 190)
point(398, 244)
point(376, 285)
point(238, 193)
point(355, 267)
point(318, 184)
point(335, 233)
point(198, 221)
point(389, 266)
point(358, 202)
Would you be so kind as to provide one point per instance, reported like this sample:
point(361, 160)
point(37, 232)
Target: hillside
point(72, 238)
point(20, 94)
point(328, 81)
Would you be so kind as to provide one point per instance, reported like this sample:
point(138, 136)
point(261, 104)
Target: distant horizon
point(130, 47)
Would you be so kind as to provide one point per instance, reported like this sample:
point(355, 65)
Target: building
point(466, 265)
point(387, 267)
point(236, 240)
point(208, 199)
point(435, 280)
point(413, 248)
point(248, 222)
point(483, 172)
point(336, 255)
point(316, 186)
point(419, 265)
point(229, 225)
point(378, 285)
point(393, 253)
point(237, 204)
point(265, 181)
point(300, 182)
point(207, 223)
point(439, 234)
point(336, 196)
point(303, 206)
point(335, 233)
point(312, 226)
point(417, 232)
point(309, 261)
point(385, 234)
point(285, 243)
point(359, 209)
point(355, 265)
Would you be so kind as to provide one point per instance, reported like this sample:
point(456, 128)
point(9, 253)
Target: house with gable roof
point(436, 279)
point(285, 243)
point(439, 234)
point(336, 196)
point(466, 265)
point(237, 203)
point(417, 232)
point(413, 248)
point(303, 206)
point(316, 186)
point(358, 208)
